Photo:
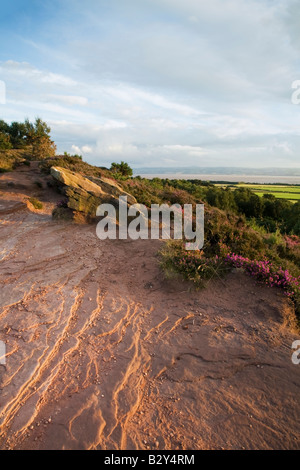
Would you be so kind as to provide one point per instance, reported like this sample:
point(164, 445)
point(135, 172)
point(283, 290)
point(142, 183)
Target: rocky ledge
point(84, 194)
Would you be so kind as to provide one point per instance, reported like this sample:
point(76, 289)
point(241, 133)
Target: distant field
point(292, 193)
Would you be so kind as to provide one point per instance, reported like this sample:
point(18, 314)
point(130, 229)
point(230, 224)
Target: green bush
point(121, 170)
point(193, 266)
point(36, 203)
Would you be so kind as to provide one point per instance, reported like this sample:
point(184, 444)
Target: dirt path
point(103, 353)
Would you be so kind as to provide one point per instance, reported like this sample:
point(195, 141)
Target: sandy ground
point(104, 353)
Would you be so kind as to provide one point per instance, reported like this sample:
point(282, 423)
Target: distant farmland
point(292, 193)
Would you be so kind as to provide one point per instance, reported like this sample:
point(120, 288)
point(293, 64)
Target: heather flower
point(265, 272)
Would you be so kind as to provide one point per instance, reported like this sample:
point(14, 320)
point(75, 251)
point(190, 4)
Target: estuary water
point(260, 179)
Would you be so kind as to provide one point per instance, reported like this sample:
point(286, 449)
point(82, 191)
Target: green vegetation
point(280, 195)
point(36, 203)
point(66, 154)
point(268, 212)
point(10, 159)
point(24, 141)
point(290, 192)
point(121, 170)
point(236, 223)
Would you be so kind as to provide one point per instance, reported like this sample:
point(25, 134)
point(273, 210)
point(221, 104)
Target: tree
point(122, 169)
point(30, 132)
point(4, 127)
point(5, 143)
point(43, 147)
point(270, 206)
point(17, 132)
point(293, 220)
point(41, 128)
point(38, 135)
point(34, 137)
point(255, 206)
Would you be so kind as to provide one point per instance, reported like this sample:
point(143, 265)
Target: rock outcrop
point(112, 188)
point(86, 194)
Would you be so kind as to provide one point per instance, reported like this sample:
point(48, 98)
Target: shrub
point(194, 266)
point(5, 143)
point(36, 203)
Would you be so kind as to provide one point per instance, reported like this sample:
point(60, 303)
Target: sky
point(157, 83)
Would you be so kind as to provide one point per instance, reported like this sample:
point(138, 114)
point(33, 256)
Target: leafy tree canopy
point(122, 169)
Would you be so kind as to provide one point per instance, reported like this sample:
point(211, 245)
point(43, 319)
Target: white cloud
point(70, 100)
point(25, 71)
point(87, 149)
point(81, 150)
point(76, 149)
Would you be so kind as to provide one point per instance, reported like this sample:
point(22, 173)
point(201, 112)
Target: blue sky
point(157, 82)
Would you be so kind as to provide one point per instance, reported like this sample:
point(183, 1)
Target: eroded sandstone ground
point(103, 353)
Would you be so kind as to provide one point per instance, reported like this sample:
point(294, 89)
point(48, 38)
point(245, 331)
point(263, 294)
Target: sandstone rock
point(75, 180)
point(86, 194)
point(113, 188)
